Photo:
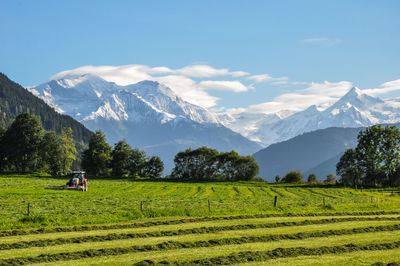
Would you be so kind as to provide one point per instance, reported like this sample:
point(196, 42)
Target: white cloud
point(326, 88)
point(384, 88)
point(265, 78)
point(122, 75)
point(320, 94)
point(235, 86)
point(188, 90)
point(205, 71)
point(192, 83)
point(322, 41)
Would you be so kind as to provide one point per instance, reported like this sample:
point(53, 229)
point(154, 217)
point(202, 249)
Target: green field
point(106, 226)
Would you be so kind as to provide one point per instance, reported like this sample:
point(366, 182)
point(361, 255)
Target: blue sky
point(309, 48)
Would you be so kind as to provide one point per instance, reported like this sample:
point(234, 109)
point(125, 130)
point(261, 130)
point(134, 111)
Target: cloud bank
point(193, 83)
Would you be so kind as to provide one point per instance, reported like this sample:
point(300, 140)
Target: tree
point(137, 161)
point(153, 167)
point(391, 154)
point(22, 141)
point(330, 179)
point(247, 168)
point(51, 154)
point(277, 179)
point(68, 149)
point(294, 176)
point(349, 169)
point(120, 157)
point(369, 152)
point(2, 149)
point(312, 178)
point(376, 159)
point(96, 158)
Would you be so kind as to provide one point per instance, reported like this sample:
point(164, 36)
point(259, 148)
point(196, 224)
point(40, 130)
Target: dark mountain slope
point(305, 152)
point(14, 99)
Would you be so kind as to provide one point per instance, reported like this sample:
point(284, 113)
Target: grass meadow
point(176, 225)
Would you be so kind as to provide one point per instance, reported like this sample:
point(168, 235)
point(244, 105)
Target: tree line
point(100, 159)
point(375, 162)
point(209, 164)
point(26, 147)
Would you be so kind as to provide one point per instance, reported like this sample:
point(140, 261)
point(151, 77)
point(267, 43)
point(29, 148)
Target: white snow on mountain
point(88, 97)
point(354, 109)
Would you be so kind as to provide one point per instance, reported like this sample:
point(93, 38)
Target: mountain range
point(354, 109)
point(148, 115)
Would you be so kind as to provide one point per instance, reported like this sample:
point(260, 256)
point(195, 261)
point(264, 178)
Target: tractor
point(77, 181)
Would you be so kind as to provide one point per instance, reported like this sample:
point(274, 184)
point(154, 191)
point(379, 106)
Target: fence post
point(276, 201)
point(209, 206)
point(141, 206)
point(29, 208)
point(323, 200)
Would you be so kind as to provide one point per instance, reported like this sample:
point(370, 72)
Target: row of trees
point(205, 163)
point(296, 176)
point(25, 146)
point(100, 159)
point(375, 161)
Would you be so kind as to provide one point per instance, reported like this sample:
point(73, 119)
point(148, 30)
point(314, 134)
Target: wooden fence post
point(209, 206)
point(29, 209)
point(323, 200)
point(276, 201)
point(141, 206)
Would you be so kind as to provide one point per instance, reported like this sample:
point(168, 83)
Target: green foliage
point(52, 154)
point(330, 179)
point(376, 159)
point(137, 162)
point(205, 163)
point(349, 169)
point(21, 143)
point(120, 156)
point(294, 176)
point(312, 178)
point(68, 150)
point(154, 167)
point(96, 158)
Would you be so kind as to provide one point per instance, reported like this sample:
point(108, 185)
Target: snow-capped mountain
point(148, 115)
point(354, 109)
point(87, 97)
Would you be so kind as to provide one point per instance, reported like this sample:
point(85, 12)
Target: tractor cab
point(78, 174)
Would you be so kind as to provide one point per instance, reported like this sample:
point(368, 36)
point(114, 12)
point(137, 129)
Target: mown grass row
point(251, 256)
point(170, 245)
point(201, 230)
point(386, 264)
point(182, 221)
point(259, 256)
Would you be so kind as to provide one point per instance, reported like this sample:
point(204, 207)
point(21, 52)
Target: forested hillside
point(14, 99)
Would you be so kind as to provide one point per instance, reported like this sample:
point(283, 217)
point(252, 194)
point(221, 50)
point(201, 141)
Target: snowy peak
point(357, 98)
point(89, 97)
point(354, 109)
